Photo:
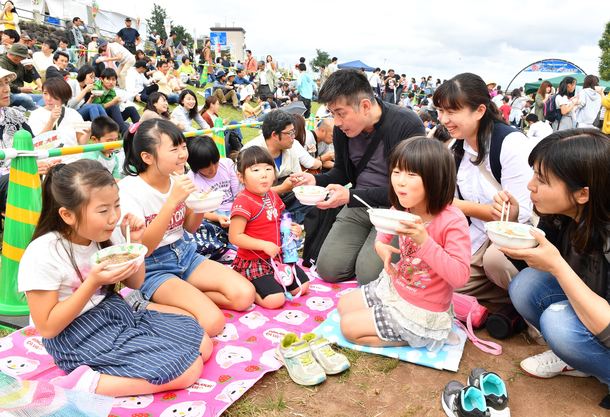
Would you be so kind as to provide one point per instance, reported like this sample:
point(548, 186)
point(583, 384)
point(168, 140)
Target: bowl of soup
point(310, 195)
point(511, 235)
point(388, 221)
point(119, 256)
point(204, 202)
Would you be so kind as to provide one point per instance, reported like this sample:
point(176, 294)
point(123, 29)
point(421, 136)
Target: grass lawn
point(229, 113)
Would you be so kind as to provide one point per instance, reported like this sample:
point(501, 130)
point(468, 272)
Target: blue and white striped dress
point(108, 335)
point(114, 340)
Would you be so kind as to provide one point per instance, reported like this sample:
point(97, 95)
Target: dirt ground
point(377, 386)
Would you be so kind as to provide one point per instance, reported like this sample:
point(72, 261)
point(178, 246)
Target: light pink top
point(427, 275)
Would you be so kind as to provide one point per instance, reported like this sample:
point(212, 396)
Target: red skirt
point(252, 268)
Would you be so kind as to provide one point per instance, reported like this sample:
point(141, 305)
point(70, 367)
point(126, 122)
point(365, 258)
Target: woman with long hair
point(542, 95)
point(210, 109)
point(490, 156)
point(566, 102)
point(156, 107)
point(564, 289)
point(9, 19)
point(187, 112)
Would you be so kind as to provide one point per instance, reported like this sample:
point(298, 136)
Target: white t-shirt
point(305, 159)
point(162, 82)
point(374, 80)
point(135, 82)
point(262, 77)
point(497, 100)
point(42, 62)
point(46, 265)
point(145, 202)
point(39, 118)
point(310, 142)
point(561, 101)
point(539, 130)
point(63, 135)
point(119, 51)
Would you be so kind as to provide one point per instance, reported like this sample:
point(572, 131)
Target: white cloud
point(440, 37)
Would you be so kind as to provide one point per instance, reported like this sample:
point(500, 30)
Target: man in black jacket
point(366, 130)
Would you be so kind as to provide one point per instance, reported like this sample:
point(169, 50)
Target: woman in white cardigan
point(187, 112)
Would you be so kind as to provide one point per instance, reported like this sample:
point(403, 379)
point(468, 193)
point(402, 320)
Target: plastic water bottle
point(289, 244)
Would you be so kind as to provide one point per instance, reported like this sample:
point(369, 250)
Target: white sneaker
point(548, 365)
point(535, 335)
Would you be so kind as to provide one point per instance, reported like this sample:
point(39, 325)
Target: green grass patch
point(384, 364)
point(275, 404)
point(244, 407)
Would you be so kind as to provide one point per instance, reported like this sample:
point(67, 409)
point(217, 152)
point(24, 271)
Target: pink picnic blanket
point(243, 353)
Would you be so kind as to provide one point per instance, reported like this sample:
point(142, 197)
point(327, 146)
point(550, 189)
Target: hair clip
point(134, 128)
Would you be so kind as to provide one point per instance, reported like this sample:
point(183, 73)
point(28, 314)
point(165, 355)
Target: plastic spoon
point(363, 202)
point(128, 235)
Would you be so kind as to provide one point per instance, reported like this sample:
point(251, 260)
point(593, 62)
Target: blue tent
point(356, 65)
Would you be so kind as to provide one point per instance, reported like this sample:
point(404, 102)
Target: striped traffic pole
point(22, 212)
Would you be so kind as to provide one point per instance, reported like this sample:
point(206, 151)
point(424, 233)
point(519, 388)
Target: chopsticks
point(505, 214)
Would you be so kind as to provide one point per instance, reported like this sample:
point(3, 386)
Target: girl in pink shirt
point(410, 302)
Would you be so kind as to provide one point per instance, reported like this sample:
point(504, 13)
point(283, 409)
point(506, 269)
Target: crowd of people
point(450, 153)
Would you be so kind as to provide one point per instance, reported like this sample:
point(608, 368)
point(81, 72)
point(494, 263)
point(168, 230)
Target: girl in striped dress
point(88, 329)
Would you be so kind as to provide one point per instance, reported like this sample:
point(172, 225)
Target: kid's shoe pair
point(310, 358)
point(484, 396)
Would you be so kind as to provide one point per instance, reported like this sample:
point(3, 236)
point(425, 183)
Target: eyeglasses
point(292, 133)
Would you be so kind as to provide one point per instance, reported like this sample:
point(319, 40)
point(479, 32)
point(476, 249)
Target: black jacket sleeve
point(337, 174)
point(401, 124)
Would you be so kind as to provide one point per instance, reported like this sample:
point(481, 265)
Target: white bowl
point(131, 248)
point(511, 235)
point(310, 195)
point(80, 126)
point(97, 93)
point(205, 202)
point(387, 221)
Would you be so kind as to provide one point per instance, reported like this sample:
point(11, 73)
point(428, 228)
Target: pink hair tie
point(134, 128)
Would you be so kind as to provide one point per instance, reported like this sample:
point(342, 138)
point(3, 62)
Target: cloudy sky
point(437, 37)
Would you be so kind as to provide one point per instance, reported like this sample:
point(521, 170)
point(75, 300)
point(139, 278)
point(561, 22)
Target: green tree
point(322, 58)
point(604, 60)
point(182, 35)
point(155, 23)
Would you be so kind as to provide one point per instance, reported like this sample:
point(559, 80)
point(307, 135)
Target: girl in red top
point(255, 229)
point(410, 302)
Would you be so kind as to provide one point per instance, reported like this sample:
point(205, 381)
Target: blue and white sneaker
point(494, 390)
point(460, 401)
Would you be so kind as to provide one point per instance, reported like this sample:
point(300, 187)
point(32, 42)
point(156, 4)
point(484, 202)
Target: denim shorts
point(178, 259)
